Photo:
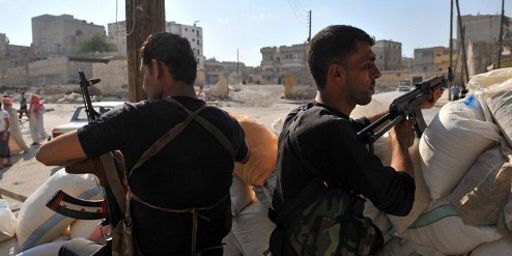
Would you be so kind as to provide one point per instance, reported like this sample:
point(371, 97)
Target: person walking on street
point(36, 120)
point(14, 125)
point(23, 105)
point(5, 153)
point(455, 91)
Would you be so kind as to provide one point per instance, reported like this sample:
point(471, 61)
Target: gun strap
point(164, 140)
point(114, 181)
point(161, 143)
point(212, 129)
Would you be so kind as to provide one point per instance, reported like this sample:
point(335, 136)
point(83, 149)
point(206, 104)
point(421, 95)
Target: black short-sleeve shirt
point(193, 170)
point(327, 139)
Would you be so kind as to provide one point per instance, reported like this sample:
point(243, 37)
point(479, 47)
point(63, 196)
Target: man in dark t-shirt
point(326, 147)
point(193, 171)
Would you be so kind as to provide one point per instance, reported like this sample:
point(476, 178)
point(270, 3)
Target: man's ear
point(336, 72)
point(155, 68)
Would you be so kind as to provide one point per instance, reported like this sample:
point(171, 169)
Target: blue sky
point(251, 25)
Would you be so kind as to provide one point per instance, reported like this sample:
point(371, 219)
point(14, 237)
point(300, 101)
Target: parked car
point(404, 86)
point(79, 118)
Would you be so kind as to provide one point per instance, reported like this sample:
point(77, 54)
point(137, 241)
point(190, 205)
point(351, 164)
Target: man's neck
point(181, 89)
point(334, 102)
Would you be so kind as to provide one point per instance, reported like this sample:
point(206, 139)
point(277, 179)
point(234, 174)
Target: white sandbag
point(379, 219)
point(507, 214)
point(444, 149)
point(401, 247)
point(442, 229)
point(421, 194)
point(484, 80)
point(7, 221)
point(277, 126)
point(499, 101)
point(370, 109)
point(250, 232)
point(38, 224)
point(47, 249)
point(241, 196)
point(485, 188)
point(83, 228)
point(502, 247)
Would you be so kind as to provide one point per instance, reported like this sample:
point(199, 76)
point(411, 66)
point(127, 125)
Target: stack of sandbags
point(467, 217)
point(37, 224)
point(7, 221)
point(262, 145)
point(451, 143)
point(251, 229)
point(466, 162)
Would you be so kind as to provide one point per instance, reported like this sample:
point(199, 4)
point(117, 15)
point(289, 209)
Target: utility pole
point(463, 45)
point(237, 66)
point(309, 24)
point(500, 47)
point(451, 33)
point(451, 44)
point(143, 18)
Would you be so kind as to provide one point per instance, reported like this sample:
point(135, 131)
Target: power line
point(296, 13)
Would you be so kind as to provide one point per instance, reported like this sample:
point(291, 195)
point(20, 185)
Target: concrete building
point(407, 63)
point(117, 36)
point(388, 55)
point(13, 63)
point(213, 69)
point(278, 61)
point(55, 70)
point(193, 33)
point(433, 59)
point(236, 72)
point(113, 75)
point(60, 35)
point(483, 28)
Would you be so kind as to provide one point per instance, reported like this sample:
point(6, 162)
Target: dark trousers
point(23, 110)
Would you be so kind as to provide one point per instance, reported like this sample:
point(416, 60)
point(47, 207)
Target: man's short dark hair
point(333, 44)
point(175, 52)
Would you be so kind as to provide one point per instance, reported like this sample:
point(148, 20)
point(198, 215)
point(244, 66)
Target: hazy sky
point(251, 25)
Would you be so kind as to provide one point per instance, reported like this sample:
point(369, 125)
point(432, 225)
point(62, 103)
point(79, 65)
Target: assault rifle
point(404, 107)
point(109, 169)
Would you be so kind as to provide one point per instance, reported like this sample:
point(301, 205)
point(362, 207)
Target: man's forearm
point(401, 160)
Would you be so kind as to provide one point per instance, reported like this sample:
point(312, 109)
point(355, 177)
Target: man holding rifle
point(181, 202)
point(319, 145)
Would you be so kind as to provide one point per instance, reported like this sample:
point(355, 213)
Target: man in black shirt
point(193, 171)
point(342, 64)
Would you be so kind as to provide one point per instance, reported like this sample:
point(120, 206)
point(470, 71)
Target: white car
point(79, 118)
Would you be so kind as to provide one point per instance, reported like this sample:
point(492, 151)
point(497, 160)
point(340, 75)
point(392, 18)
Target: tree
point(96, 43)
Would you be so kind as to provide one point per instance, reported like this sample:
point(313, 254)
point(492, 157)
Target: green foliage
point(96, 43)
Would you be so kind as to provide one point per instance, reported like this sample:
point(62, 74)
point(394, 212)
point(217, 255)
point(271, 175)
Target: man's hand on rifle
point(403, 134)
point(90, 165)
point(436, 94)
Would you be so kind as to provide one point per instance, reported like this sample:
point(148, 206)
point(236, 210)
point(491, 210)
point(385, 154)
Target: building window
point(198, 42)
point(198, 53)
point(192, 30)
point(186, 29)
point(198, 33)
point(193, 40)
